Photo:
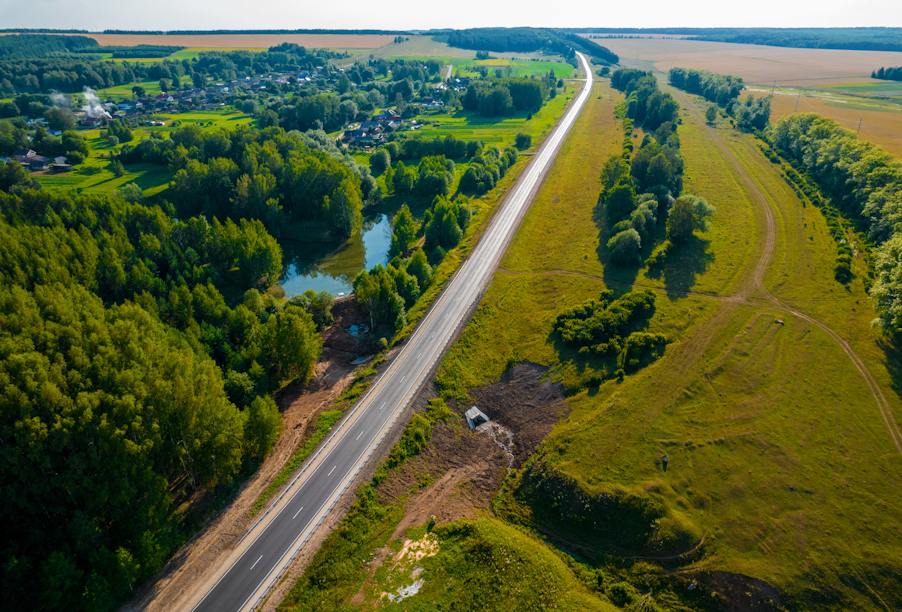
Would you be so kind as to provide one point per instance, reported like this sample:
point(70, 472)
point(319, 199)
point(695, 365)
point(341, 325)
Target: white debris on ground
point(503, 437)
point(412, 551)
point(405, 592)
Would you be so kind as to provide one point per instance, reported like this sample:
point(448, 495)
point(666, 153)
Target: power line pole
point(797, 101)
point(773, 89)
point(859, 127)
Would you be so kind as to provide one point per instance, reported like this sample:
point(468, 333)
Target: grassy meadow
point(778, 458)
point(94, 175)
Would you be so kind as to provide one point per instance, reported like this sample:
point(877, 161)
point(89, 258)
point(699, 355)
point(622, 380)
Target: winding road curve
point(270, 546)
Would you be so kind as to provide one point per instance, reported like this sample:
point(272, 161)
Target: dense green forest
point(40, 45)
point(135, 51)
point(862, 180)
point(724, 89)
point(268, 175)
point(137, 358)
point(72, 73)
point(525, 40)
point(888, 74)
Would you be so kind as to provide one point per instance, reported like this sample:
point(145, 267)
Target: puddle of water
point(356, 330)
point(332, 266)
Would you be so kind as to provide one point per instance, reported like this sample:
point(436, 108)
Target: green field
point(94, 175)
point(778, 456)
point(519, 67)
point(500, 132)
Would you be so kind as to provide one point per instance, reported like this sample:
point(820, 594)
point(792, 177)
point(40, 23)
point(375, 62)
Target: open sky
point(95, 15)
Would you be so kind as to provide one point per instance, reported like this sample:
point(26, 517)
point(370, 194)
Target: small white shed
point(475, 417)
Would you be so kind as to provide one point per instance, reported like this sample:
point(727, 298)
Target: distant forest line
point(858, 39)
point(202, 32)
point(526, 40)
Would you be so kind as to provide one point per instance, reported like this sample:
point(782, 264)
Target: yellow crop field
point(881, 126)
point(756, 64)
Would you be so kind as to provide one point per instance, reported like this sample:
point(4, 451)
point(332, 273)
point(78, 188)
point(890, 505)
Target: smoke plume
point(59, 100)
point(92, 105)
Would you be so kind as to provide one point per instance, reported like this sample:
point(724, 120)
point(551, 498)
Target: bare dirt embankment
point(458, 472)
point(300, 405)
point(460, 469)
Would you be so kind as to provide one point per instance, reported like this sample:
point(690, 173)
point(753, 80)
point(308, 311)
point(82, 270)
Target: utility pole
point(859, 127)
point(797, 101)
point(773, 89)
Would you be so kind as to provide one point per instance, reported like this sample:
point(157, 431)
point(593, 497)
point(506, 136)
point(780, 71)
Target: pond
point(332, 266)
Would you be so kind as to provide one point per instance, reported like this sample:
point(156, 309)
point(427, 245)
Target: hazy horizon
point(98, 15)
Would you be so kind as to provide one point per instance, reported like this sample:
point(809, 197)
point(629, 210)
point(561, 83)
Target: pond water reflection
point(332, 266)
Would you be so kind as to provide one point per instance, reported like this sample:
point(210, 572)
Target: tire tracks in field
point(758, 279)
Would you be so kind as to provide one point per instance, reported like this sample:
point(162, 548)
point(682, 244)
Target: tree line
point(525, 40)
point(21, 46)
point(646, 105)
point(137, 365)
point(70, 74)
point(861, 180)
point(639, 187)
point(717, 88)
point(861, 39)
point(119, 51)
point(888, 74)
point(724, 90)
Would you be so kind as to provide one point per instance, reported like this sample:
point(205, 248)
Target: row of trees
point(138, 362)
point(646, 104)
point(638, 188)
point(888, 74)
point(718, 88)
point(41, 45)
point(526, 40)
point(415, 148)
point(724, 90)
point(862, 180)
point(862, 39)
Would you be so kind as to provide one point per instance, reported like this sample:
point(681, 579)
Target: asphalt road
point(267, 554)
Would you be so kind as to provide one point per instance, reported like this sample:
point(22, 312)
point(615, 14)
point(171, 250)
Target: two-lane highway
point(274, 542)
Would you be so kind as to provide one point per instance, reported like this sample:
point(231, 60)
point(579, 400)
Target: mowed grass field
point(777, 453)
point(94, 175)
point(495, 131)
point(881, 122)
